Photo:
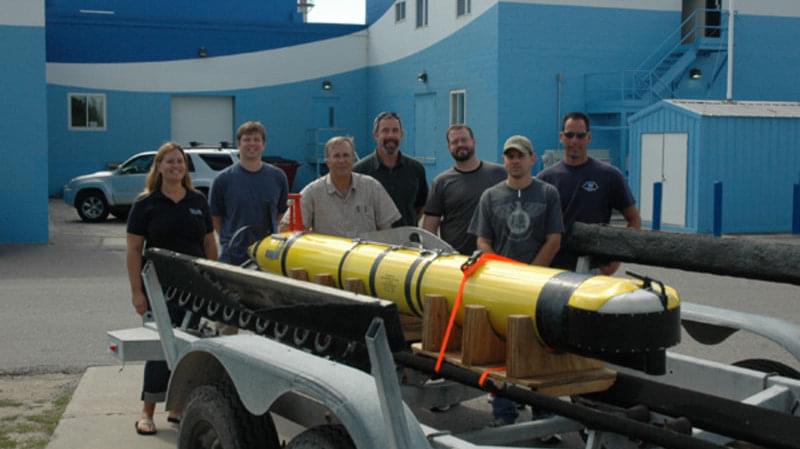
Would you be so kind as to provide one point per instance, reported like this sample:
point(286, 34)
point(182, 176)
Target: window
point(87, 112)
point(422, 13)
point(463, 7)
point(458, 106)
point(216, 162)
point(400, 11)
point(138, 166)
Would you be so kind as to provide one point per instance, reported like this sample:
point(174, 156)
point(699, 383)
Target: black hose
point(593, 419)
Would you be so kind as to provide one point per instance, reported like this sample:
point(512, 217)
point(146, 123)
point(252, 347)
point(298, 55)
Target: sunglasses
point(570, 135)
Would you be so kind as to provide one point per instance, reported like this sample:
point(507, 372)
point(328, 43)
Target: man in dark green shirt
point(401, 176)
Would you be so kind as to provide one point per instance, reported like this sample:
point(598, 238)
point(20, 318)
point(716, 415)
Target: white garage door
point(664, 160)
point(207, 120)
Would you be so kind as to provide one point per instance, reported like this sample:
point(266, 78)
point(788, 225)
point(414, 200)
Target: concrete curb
point(103, 410)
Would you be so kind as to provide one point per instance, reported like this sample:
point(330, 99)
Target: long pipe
point(731, 13)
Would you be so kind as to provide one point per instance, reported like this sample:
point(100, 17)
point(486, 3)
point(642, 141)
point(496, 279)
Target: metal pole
point(731, 13)
point(717, 227)
point(385, 374)
point(796, 210)
point(657, 190)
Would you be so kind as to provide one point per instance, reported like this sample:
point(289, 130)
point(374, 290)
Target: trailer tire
point(323, 437)
point(214, 417)
point(769, 366)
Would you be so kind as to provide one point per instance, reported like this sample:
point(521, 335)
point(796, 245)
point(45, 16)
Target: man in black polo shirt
point(401, 176)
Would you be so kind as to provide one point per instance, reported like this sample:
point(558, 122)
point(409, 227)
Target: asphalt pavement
point(60, 299)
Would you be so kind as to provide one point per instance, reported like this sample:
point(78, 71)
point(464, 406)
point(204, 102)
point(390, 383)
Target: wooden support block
point(298, 273)
point(354, 285)
point(527, 357)
point(480, 346)
point(434, 324)
point(324, 279)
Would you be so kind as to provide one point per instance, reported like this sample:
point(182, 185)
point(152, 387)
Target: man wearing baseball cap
point(519, 218)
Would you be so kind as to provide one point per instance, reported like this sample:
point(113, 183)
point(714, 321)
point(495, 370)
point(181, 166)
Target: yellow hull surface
point(575, 312)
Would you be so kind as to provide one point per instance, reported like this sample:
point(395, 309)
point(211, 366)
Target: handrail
point(644, 82)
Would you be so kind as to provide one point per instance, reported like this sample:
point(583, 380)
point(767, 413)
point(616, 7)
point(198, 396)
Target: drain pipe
point(731, 12)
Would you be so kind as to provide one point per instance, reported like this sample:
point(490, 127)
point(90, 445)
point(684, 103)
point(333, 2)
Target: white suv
point(98, 194)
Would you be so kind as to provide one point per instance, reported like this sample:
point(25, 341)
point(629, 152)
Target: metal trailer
point(226, 385)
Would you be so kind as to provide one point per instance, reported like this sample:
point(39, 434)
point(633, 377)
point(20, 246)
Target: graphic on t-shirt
point(518, 217)
point(590, 186)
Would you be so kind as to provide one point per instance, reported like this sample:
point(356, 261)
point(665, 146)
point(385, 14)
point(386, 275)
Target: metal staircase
point(657, 76)
point(615, 96)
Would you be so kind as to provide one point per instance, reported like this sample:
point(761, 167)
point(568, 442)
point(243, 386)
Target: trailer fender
point(262, 371)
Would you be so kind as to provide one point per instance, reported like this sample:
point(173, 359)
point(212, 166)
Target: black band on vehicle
point(374, 269)
point(422, 271)
point(344, 257)
point(409, 278)
point(285, 253)
point(551, 306)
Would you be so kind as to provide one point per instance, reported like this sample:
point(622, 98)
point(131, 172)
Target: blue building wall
point(100, 39)
point(536, 44)
point(140, 121)
point(376, 8)
point(177, 11)
point(758, 163)
point(23, 198)
point(506, 55)
point(766, 61)
point(394, 86)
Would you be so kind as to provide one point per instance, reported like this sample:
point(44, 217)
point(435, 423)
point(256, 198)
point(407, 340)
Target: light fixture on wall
point(695, 74)
point(327, 85)
point(422, 77)
point(202, 52)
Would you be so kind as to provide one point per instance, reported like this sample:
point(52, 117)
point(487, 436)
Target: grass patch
point(9, 403)
point(6, 442)
point(33, 428)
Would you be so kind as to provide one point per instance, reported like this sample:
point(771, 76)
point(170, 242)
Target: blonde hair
point(153, 181)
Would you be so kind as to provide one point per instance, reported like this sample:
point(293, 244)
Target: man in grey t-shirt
point(519, 218)
point(455, 192)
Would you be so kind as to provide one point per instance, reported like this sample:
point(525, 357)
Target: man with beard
point(519, 218)
point(402, 177)
point(456, 191)
point(589, 189)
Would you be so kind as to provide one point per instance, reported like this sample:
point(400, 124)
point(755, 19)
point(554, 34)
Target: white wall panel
point(22, 12)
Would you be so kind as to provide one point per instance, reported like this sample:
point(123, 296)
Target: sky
point(338, 11)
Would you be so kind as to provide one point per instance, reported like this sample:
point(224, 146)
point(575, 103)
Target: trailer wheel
point(322, 437)
point(769, 366)
point(214, 417)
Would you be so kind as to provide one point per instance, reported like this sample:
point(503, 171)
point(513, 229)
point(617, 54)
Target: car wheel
point(215, 418)
point(92, 206)
point(322, 437)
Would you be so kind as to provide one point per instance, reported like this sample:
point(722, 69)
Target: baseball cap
point(518, 142)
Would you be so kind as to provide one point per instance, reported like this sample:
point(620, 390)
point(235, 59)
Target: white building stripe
point(384, 42)
point(22, 13)
point(241, 71)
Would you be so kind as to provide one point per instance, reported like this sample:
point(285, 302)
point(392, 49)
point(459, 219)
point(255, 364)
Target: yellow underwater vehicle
point(626, 321)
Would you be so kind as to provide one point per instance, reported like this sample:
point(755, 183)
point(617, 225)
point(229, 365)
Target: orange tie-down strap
point(487, 371)
point(468, 269)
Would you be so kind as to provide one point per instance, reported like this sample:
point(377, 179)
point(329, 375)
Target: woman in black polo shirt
point(168, 214)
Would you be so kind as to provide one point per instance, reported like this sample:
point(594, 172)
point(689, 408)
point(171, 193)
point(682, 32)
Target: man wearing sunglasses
point(589, 189)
